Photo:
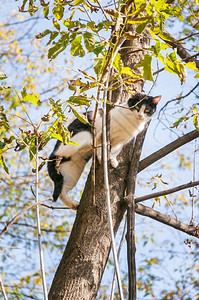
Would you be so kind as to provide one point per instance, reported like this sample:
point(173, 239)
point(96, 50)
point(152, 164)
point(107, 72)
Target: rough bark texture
point(79, 273)
point(81, 268)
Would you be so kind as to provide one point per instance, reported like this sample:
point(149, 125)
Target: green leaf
point(5, 87)
point(30, 97)
point(81, 100)
point(99, 63)
point(46, 11)
point(191, 65)
point(58, 12)
point(140, 20)
point(165, 36)
point(195, 122)
point(3, 76)
point(141, 27)
point(176, 123)
point(76, 47)
point(175, 67)
point(117, 63)
point(42, 34)
point(89, 41)
point(59, 46)
point(77, 2)
point(3, 164)
point(81, 117)
point(128, 71)
point(56, 24)
point(53, 35)
point(98, 49)
point(146, 63)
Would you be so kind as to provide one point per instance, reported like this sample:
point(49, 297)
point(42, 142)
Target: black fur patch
point(139, 100)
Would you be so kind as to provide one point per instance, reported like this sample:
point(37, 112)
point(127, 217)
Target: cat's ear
point(156, 99)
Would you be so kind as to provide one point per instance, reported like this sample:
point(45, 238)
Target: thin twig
point(55, 207)
point(167, 192)
point(42, 267)
point(122, 240)
point(3, 288)
point(193, 190)
point(102, 9)
point(12, 221)
point(179, 98)
point(106, 180)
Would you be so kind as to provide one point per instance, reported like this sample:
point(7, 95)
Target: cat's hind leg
point(68, 201)
point(113, 155)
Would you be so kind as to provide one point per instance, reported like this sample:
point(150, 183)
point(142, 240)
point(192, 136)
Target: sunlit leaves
point(30, 97)
point(81, 100)
point(192, 114)
point(146, 63)
point(59, 46)
point(77, 2)
point(58, 131)
point(99, 64)
point(81, 117)
point(2, 163)
point(58, 11)
point(76, 47)
point(176, 67)
point(57, 110)
point(89, 41)
point(2, 76)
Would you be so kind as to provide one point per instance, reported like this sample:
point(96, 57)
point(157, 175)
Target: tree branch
point(155, 215)
point(131, 181)
point(11, 222)
point(166, 192)
point(181, 51)
point(168, 149)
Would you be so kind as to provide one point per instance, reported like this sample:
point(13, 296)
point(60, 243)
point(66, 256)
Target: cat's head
point(144, 106)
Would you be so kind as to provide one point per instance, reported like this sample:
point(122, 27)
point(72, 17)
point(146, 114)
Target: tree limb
point(11, 222)
point(167, 192)
point(155, 215)
point(181, 51)
point(131, 182)
point(168, 149)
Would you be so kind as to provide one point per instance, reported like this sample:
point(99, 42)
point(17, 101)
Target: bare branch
point(131, 180)
point(167, 192)
point(179, 98)
point(11, 222)
point(3, 289)
point(155, 215)
point(168, 149)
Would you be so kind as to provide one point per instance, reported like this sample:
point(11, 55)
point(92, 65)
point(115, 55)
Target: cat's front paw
point(114, 162)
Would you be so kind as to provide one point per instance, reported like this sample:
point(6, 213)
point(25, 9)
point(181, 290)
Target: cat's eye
point(147, 110)
point(137, 107)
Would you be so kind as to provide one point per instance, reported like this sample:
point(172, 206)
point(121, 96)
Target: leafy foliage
point(83, 31)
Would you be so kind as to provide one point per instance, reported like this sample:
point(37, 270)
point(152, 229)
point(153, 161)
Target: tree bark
point(82, 265)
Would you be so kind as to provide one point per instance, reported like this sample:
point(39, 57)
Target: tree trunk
point(82, 265)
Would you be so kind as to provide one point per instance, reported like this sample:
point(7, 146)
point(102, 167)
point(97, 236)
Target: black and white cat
point(127, 120)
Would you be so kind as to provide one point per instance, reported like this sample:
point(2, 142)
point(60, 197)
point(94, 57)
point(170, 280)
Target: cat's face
point(143, 106)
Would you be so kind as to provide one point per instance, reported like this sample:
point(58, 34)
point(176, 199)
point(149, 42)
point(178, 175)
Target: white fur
point(125, 124)
point(83, 139)
point(71, 171)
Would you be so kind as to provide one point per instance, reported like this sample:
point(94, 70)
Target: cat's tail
point(58, 185)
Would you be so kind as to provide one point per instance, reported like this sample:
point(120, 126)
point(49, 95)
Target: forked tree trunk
point(81, 268)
